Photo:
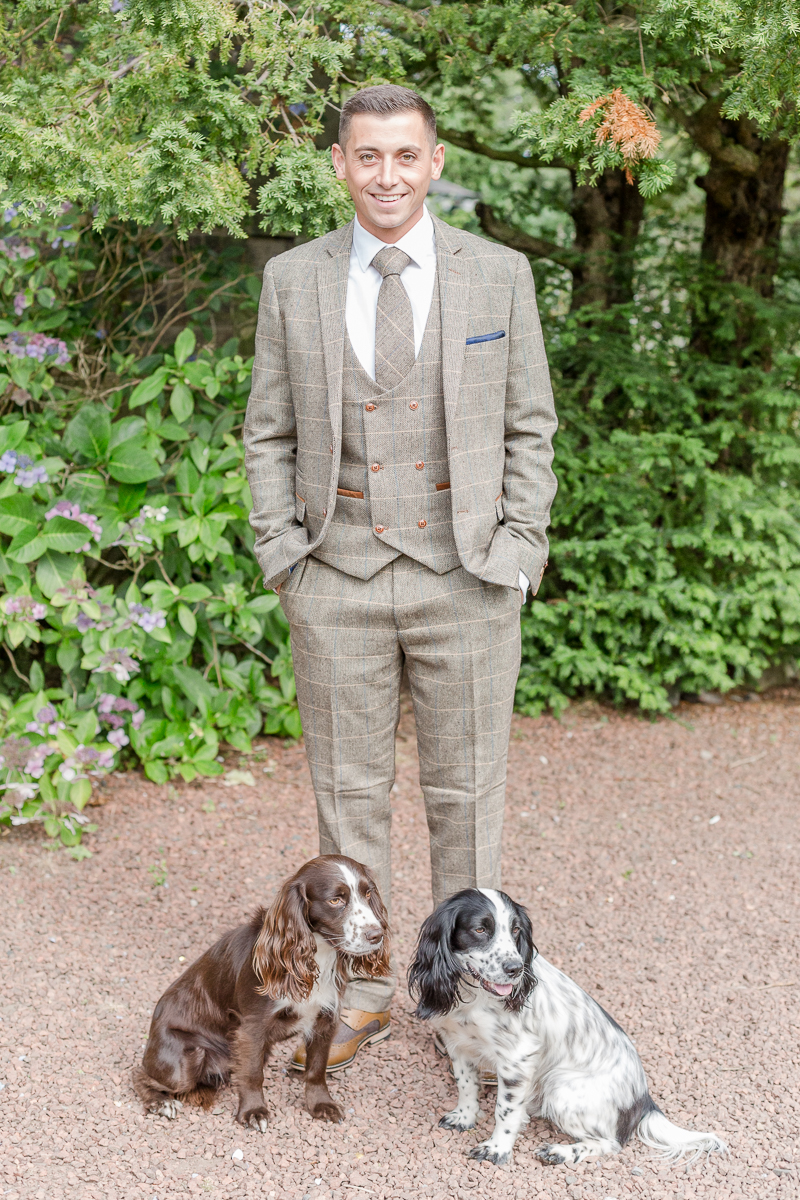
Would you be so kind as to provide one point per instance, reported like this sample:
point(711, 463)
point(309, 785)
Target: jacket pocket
point(498, 508)
point(299, 507)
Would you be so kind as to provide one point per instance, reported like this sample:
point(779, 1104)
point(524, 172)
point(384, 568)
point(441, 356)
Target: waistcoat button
point(419, 465)
point(414, 404)
point(324, 512)
point(379, 529)
point(422, 524)
point(375, 467)
point(370, 407)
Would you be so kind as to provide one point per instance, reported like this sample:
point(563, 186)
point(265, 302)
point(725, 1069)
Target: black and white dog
point(556, 1052)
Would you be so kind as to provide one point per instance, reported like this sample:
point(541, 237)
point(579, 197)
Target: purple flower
point(14, 248)
point(36, 760)
point(76, 589)
point(106, 759)
point(10, 213)
point(30, 477)
point(115, 721)
point(8, 461)
point(25, 607)
point(20, 303)
point(117, 663)
point(150, 620)
point(39, 611)
point(105, 703)
point(138, 718)
point(84, 623)
point(67, 769)
point(35, 345)
point(86, 754)
point(63, 508)
point(118, 738)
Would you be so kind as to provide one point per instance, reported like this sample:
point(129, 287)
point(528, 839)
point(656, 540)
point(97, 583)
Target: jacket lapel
point(454, 285)
point(332, 292)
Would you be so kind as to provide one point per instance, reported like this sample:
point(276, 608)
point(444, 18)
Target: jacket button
point(414, 404)
point(370, 407)
point(419, 465)
point(375, 467)
point(331, 449)
point(379, 529)
point(324, 512)
point(422, 524)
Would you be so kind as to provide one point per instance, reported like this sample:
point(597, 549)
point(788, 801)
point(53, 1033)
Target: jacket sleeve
point(270, 441)
point(529, 484)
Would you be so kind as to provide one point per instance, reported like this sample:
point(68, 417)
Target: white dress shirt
point(364, 283)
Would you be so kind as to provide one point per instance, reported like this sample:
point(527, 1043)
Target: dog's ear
point(434, 973)
point(524, 939)
point(284, 952)
point(376, 965)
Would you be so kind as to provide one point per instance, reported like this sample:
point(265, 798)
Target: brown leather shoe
point(488, 1078)
point(355, 1029)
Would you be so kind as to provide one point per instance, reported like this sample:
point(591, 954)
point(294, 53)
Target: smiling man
point(399, 448)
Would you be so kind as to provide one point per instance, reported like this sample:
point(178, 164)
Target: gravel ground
point(660, 865)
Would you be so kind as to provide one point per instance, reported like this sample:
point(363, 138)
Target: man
point(399, 448)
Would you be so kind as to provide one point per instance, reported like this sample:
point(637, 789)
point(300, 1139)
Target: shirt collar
point(419, 243)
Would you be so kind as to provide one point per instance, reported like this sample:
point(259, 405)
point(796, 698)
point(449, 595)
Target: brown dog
point(281, 974)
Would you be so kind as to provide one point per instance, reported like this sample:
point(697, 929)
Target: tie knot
point(391, 261)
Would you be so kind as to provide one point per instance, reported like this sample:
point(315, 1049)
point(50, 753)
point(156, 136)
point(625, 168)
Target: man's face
point(388, 163)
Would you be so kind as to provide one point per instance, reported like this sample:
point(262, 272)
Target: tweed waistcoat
point(393, 495)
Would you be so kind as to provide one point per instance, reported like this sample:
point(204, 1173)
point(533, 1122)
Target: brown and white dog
point(281, 974)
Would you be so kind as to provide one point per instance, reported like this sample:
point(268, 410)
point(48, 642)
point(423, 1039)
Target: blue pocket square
point(487, 337)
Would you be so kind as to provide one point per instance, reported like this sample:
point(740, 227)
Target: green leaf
point(131, 464)
point(125, 430)
point(131, 497)
point(18, 513)
point(80, 793)
point(58, 534)
point(36, 677)
point(67, 656)
point(86, 488)
point(56, 570)
point(149, 388)
point(184, 345)
point(87, 727)
point(12, 435)
point(187, 620)
point(181, 402)
point(170, 431)
point(263, 604)
point(88, 432)
point(157, 771)
point(194, 592)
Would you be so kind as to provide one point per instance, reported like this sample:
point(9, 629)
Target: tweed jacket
point(499, 412)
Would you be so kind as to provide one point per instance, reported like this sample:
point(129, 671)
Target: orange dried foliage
point(627, 125)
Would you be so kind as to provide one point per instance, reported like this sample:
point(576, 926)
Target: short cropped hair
point(384, 100)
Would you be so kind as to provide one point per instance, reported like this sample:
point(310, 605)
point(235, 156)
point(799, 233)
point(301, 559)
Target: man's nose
point(374, 935)
point(513, 968)
point(387, 174)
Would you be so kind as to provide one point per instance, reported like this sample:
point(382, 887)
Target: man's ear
point(434, 973)
point(284, 953)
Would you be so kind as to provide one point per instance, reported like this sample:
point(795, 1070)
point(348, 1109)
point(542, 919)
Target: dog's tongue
point(502, 989)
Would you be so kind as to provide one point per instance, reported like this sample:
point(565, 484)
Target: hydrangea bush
point(133, 618)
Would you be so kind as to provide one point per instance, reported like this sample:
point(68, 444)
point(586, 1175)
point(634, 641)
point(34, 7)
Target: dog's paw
point(254, 1118)
point(459, 1119)
point(327, 1110)
point(486, 1152)
point(167, 1108)
point(554, 1156)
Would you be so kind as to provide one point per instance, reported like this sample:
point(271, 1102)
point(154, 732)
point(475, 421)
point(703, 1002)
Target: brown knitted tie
point(394, 323)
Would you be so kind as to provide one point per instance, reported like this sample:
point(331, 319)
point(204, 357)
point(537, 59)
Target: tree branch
point(468, 141)
point(517, 239)
point(703, 127)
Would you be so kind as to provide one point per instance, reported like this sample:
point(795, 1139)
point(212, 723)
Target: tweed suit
point(404, 570)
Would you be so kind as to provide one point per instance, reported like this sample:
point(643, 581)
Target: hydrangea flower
point(46, 722)
point(146, 618)
point(108, 703)
point(8, 460)
point(36, 760)
point(35, 345)
point(137, 720)
point(76, 589)
point(21, 302)
point(154, 514)
point(25, 607)
point(131, 535)
point(63, 508)
point(117, 663)
point(30, 476)
point(118, 738)
point(15, 249)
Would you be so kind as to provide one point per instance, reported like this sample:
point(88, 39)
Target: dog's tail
point(673, 1142)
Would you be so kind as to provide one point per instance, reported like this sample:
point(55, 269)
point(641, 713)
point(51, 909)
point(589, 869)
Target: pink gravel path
point(686, 931)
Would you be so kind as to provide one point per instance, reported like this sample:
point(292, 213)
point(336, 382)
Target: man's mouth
point(386, 199)
point(496, 989)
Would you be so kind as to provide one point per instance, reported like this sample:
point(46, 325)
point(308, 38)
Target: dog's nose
point(374, 936)
point(512, 968)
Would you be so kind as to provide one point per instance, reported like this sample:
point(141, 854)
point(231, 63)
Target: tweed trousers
point(460, 640)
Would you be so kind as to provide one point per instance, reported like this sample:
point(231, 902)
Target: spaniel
point(556, 1052)
point(281, 974)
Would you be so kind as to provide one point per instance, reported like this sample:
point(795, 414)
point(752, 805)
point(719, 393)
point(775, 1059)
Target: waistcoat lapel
point(332, 291)
point(453, 269)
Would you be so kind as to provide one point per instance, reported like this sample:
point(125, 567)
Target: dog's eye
point(480, 929)
point(515, 930)
point(337, 901)
point(368, 895)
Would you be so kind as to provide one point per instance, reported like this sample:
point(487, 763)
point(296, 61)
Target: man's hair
point(383, 101)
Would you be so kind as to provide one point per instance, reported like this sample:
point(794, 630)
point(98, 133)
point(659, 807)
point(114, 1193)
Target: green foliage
point(675, 563)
